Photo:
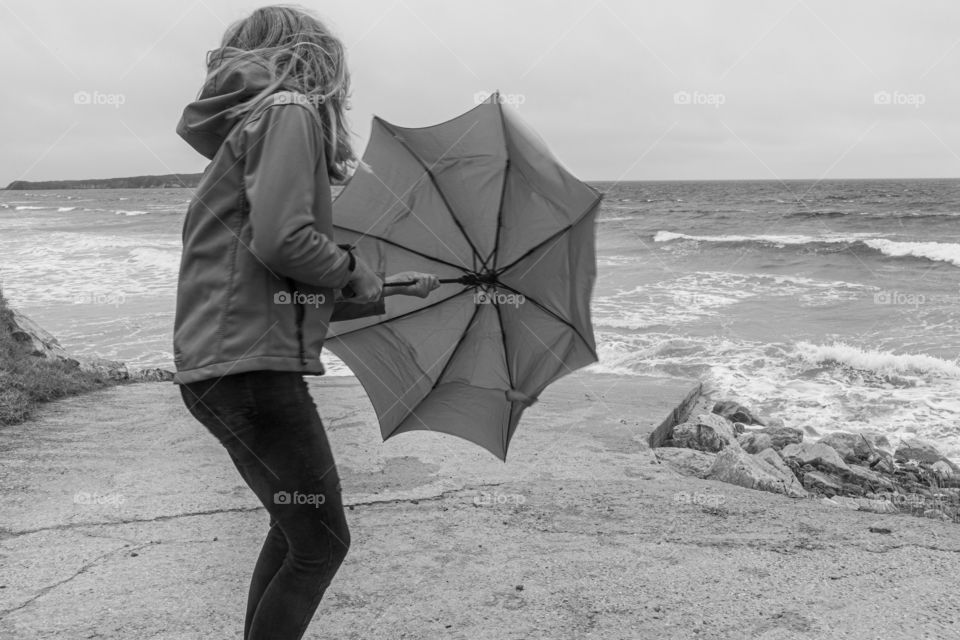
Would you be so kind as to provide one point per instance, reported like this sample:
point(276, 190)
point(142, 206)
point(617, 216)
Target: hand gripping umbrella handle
point(407, 283)
point(347, 291)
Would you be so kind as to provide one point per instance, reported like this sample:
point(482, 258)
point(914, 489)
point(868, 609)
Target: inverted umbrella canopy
point(479, 199)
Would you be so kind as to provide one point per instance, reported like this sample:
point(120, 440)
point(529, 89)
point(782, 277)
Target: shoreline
point(859, 470)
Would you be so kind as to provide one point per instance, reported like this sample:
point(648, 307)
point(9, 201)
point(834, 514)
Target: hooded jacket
point(260, 270)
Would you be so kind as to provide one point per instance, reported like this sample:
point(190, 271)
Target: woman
point(259, 283)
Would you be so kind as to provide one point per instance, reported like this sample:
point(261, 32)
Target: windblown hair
point(301, 55)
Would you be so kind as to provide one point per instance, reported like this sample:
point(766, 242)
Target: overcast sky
point(621, 90)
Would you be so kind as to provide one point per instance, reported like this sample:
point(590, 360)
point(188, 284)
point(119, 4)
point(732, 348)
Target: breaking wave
point(934, 251)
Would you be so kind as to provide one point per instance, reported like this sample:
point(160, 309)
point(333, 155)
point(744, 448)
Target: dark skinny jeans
point(269, 425)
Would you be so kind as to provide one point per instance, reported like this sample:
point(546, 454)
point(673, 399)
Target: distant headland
point(171, 180)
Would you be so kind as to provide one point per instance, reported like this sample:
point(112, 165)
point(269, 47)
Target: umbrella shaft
point(407, 283)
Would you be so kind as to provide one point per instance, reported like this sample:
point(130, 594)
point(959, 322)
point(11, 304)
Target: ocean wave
point(616, 260)
point(30, 207)
point(884, 363)
point(65, 209)
point(122, 212)
point(935, 251)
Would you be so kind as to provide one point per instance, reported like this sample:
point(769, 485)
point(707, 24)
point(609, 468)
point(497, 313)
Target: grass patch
point(26, 380)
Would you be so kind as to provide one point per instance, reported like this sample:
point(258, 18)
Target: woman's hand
point(365, 284)
point(423, 284)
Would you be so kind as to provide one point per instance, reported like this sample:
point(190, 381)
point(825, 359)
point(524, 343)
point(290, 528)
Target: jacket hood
point(207, 121)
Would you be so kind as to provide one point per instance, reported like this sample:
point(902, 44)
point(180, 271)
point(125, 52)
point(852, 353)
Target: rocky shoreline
point(855, 470)
point(39, 343)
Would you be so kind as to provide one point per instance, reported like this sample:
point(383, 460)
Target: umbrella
point(480, 201)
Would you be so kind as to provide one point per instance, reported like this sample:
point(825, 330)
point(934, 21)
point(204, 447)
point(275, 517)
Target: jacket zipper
point(300, 311)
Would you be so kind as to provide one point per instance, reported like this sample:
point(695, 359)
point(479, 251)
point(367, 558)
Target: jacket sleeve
point(343, 310)
point(284, 151)
point(352, 310)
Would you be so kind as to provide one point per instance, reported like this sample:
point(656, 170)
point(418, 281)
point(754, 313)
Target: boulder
point(882, 462)
point(705, 432)
point(106, 369)
point(944, 469)
point(877, 441)
point(868, 480)
point(856, 447)
point(774, 422)
point(794, 488)
point(919, 450)
point(816, 454)
point(152, 375)
point(736, 466)
point(689, 462)
point(822, 483)
point(34, 339)
point(754, 441)
point(782, 436)
point(735, 412)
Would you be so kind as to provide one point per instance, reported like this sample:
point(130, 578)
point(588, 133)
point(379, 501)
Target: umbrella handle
point(347, 291)
point(407, 283)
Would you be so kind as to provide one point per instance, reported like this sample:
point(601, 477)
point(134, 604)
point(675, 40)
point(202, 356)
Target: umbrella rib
point(446, 365)
point(552, 236)
point(555, 315)
point(506, 361)
point(403, 315)
point(405, 248)
point(503, 189)
point(503, 339)
point(436, 186)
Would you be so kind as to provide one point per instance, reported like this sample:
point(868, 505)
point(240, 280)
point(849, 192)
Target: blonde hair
point(301, 55)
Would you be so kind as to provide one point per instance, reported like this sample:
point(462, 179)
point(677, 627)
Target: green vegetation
point(26, 380)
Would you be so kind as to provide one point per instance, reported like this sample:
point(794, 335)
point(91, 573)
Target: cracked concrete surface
point(122, 518)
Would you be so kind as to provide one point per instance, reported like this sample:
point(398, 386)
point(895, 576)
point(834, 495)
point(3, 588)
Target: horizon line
point(588, 180)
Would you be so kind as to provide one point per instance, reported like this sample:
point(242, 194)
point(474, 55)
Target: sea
point(830, 305)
